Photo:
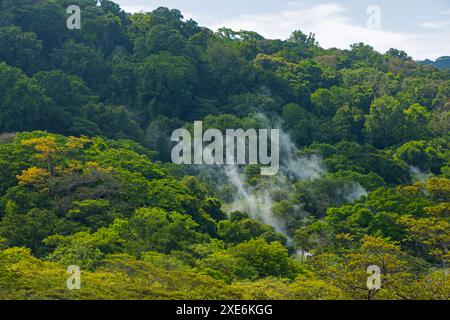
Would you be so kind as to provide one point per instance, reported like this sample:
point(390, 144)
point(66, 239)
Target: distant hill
point(440, 63)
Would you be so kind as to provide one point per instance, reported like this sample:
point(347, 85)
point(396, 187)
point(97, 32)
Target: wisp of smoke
point(354, 192)
point(419, 175)
point(298, 168)
point(258, 200)
point(258, 204)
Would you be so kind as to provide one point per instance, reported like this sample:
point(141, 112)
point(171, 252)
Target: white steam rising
point(258, 201)
point(355, 192)
point(298, 168)
point(419, 175)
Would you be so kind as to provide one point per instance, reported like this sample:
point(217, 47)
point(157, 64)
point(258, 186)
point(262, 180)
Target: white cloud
point(435, 24)
point(333, 28)
point(135, 9)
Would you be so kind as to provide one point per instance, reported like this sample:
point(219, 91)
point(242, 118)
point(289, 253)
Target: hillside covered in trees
point(440, 63)
point(86, 177)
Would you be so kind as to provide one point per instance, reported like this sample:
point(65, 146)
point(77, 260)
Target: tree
point(68, 92)
point(300, 122)
point(111, 121)
point(157, 230)
point(165, 84)
point(103, 28)
point(417, 119)
point(383, 126)
point(349, 123)
point(418, 90)
point(83, 61)
point(268, 259)
point(230, 267)
point(422, 155)
point(8, 77)
point(432, 234)
point(350, 272)
point(92, 214)
point(20, 49)
point(26, 107)
point(362, 55)
point(223, 68)
point(399, 54)
point(46, 149)
point(327, 101)
point(440, 123)
point(28, 229)
point(301, 38)
point(160, 38)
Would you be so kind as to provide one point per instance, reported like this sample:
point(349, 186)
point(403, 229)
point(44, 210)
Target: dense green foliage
point(85, 177)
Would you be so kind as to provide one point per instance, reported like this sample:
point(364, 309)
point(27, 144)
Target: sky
point(421, 28)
